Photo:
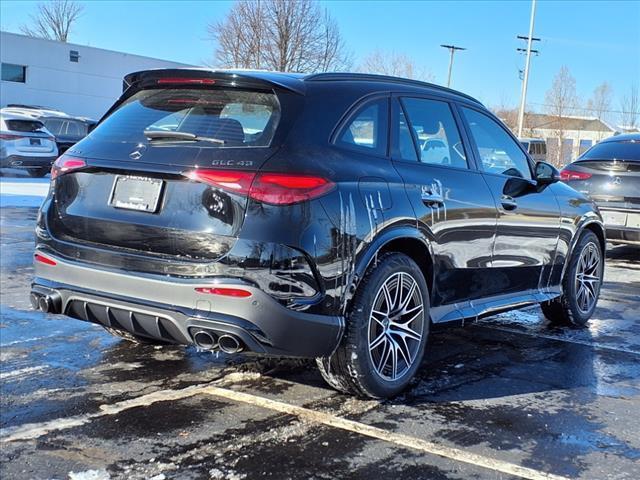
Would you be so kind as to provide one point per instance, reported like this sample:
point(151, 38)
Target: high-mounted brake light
point(185, 81)
point(273, 188)
point(65, 164)
point(567, 175)
point(46, 260)
point(225, 291)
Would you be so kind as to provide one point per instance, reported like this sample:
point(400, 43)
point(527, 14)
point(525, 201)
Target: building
point(79, 80)
point(579, 133)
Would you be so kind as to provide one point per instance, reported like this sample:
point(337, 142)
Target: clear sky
point(598, 40)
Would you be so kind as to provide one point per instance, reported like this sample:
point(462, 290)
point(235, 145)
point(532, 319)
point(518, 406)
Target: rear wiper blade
point(172, 135)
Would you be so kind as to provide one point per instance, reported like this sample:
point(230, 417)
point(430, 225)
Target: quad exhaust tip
point(229, 344)
point(208, 340)
point(47, 303)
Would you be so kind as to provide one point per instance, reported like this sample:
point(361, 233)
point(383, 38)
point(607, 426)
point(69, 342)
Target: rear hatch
point(29, 137)
point(609, 173)
point(165, 172)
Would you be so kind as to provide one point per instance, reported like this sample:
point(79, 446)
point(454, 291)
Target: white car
point(435, 151)
point(26, 144)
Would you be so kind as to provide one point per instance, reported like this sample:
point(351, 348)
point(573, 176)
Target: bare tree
point(561, 99)
point(394, 64)
point(600, 103)
point(54, 20)
point(630, 106)
point(295, 35)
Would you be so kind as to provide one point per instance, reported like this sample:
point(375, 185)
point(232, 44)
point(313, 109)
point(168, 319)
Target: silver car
point(26, 144)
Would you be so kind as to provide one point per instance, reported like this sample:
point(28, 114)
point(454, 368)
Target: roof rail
point(328, 76)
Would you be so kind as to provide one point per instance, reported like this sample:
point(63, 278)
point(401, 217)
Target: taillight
point(230, 180)
point(225, 291)
point(273, 188)
point(7, 136)
point(567, 175)
point(185, 81)
point(281, 189)
point(65, 164)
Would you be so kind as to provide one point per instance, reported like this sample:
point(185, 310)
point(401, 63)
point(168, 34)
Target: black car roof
point(625, 137)
point(295, 82)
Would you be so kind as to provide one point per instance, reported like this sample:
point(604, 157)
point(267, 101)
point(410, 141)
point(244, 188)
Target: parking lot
point(508, 397)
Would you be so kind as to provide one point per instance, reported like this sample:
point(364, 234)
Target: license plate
point(614, 218)
point(633, 220)
point(136, 193)
point(34, 141)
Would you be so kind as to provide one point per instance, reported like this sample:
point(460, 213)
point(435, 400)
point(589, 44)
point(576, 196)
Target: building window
point(74, 56)
point(14, 73)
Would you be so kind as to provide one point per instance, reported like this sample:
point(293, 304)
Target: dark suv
point(304, 216)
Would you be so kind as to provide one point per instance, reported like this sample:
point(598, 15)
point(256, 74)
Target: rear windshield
point(621, 150)
point(219, 118)
point(24, 125)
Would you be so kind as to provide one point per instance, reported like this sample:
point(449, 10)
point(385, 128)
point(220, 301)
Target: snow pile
point(23, 192)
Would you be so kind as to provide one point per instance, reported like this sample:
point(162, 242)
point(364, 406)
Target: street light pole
point(452, 49)
point(525, 81)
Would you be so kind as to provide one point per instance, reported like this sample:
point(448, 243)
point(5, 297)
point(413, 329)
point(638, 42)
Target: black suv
point(309, 216)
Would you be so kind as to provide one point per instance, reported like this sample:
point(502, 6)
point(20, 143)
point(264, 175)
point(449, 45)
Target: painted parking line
point(36, 430)
point(22, 372)
point(596, 345)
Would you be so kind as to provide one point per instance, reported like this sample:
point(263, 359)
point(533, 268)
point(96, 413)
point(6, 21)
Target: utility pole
point(529, 40)
point(452, 49)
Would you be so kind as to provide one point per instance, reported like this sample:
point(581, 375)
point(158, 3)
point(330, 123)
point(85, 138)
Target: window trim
point(398, 104)
point(476, 153)
point(350, 114)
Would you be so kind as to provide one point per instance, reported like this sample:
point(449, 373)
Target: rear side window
point(499, 153)
point(621, 150)
point(435, 132)
point(216, 117)
point(24, 125)
point(55, 126)
point(366, 130)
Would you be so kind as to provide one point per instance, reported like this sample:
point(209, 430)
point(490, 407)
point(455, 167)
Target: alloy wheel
point(396, 326)
point(588, 277)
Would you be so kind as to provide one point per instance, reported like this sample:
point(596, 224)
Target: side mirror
point(546, 173)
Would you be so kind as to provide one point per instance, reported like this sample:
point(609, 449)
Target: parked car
point(435, 151)
point(26, 144)
point(536, 147)
point(609, 172)
point(68, 130)
point(292, 215)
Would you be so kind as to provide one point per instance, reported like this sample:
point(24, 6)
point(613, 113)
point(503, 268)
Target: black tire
point(38, 172)
point(568, 308)
point(351, 368)
point(133, 338)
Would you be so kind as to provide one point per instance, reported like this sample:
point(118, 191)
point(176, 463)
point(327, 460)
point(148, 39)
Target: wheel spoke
point(378, 341)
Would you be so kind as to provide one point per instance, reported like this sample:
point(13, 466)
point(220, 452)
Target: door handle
point(508, 203)
point(430, 198)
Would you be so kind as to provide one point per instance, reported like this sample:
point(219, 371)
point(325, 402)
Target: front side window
point(366, 130)
point(14, 73)
point(499, 153)
point(209, 117)
point(435, 132)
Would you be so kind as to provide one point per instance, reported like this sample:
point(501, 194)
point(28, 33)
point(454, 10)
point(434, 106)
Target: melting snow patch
point(101, 474)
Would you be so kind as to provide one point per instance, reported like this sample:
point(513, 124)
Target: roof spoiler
point(203, 76)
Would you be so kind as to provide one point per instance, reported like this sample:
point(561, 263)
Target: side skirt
point(475, 309)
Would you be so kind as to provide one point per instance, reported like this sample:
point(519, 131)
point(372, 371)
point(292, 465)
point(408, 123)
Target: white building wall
point(86, 88)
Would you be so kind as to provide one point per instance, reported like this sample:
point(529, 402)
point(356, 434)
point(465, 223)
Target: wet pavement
point(508, 397)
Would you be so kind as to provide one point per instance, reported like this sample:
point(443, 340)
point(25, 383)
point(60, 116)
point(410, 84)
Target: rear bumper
point(622, 225)
point(171, 310)
point(22, 161)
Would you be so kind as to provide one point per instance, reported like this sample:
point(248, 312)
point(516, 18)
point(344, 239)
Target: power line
point(452, 49)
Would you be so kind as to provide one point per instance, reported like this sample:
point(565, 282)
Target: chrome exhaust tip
point(229, 344)
point(205, 340)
